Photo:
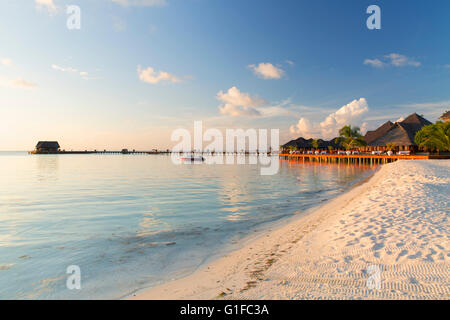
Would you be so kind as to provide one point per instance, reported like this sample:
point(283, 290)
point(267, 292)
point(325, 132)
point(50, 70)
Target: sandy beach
point(387, 238)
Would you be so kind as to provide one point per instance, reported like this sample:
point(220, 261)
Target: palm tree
point(291, 148)
point(350, 137)
point(435, 137)
point(390, 146)
point(315, 144)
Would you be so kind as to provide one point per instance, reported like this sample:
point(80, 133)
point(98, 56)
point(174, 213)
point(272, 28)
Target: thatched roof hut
point(378, 133)
point(302, 143)
point(47, 146)
point(400, 133)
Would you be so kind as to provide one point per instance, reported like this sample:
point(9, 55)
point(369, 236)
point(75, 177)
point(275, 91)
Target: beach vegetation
point(434, 137)
point(315, 144)
point(390, 146)
point(350, 137)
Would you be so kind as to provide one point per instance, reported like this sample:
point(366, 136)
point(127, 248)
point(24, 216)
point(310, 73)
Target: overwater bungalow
point(399, 134)
point(308, 144)
point(47, 147)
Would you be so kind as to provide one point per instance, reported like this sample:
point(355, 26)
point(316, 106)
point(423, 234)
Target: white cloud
point(305, 129)
point(351, 114)
point(394, 59)
point(399, 60)
point(149, 75)
point(22, 83)
point(275, 111)
point(267, 70)
point(47, 4)
point(364, 128)
point(64, 69)
point(374, 63)
point(290, 62)
point(18, 83)
point(83, 74)
point(237, 103)
point(6, 62)
point(141, 3)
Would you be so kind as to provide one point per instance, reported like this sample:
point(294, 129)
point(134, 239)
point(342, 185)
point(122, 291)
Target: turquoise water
point(133, 221)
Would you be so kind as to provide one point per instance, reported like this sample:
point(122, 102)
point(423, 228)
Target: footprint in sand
point(415, 256)
point(378, 246)
point(401, 254)
point(413, 280)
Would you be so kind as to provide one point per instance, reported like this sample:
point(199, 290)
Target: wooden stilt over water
point(357, 158)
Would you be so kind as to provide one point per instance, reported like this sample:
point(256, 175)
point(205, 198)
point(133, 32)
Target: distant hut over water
point(47, 147)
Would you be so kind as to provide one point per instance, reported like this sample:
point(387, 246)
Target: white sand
point(398, 221)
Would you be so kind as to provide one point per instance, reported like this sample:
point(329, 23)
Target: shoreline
point(255, 234)
point(145, 293)
point(326, 253)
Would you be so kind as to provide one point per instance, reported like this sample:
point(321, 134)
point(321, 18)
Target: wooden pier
point(356, 158)
point(101, 152)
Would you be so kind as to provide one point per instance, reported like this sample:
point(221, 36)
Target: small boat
point(193, 158)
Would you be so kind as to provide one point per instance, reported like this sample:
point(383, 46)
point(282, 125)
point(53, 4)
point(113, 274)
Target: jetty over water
point(357, 158)
point(53, 147)
point(124, 151)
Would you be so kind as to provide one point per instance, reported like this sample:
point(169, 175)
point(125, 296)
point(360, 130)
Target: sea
point(97, 226)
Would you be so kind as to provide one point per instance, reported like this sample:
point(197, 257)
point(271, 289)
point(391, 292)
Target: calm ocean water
point(133, 221)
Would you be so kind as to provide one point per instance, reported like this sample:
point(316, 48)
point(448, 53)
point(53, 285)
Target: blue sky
point(138, 69)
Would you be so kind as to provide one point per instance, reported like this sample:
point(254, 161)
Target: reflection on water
point(131, 221)
point(46, 167)
point(150, 225)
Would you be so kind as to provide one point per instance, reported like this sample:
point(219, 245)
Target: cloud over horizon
point(18, 83)
point(6, 62)
point(237, 103)
point(350, 113)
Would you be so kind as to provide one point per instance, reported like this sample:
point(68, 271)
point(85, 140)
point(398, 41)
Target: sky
point(136, 70)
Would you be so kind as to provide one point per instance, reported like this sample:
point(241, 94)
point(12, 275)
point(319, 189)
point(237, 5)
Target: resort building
point(401, 134)
point(308, 144)
point(446, 116)
point(47, 147)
